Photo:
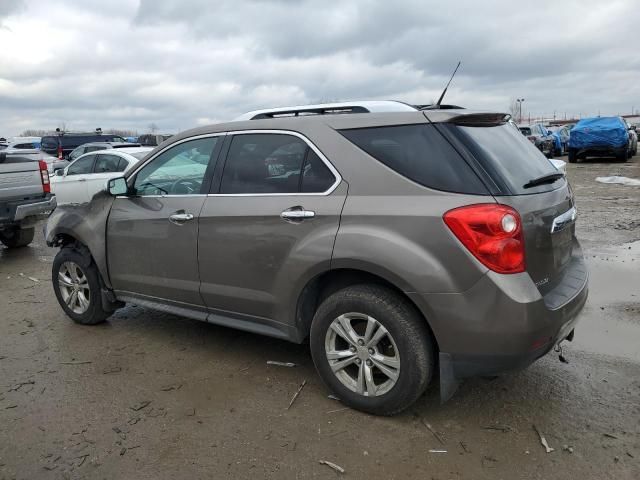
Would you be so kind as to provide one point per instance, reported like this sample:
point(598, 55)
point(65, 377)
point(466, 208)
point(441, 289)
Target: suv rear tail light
point(60, 152)
point(44, 176)
point(492, 233)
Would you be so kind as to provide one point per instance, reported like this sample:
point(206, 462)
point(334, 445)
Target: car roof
point(334, 121)
point(128, 150)
point(111, 144)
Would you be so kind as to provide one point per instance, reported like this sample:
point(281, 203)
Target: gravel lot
point(150, 395)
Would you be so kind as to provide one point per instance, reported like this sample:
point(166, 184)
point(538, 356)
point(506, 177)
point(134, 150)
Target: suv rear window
point(419, 153)
point(508, 157)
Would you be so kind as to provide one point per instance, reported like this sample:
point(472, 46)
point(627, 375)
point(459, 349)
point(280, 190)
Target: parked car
point(20, 145)
point(25, 197)
point(95, 146)
point(152, 139)
point(633, 138)
point(538, 134)
point(88, 174)
point(368, 234)
point(53, 163)
point(63, 143)
point(601, 137)
point(561, 138)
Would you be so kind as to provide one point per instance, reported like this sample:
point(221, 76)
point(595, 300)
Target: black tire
point(573, 156)
point(94, 313)
point(17, 237)
point(623, 156)
point(406, 326)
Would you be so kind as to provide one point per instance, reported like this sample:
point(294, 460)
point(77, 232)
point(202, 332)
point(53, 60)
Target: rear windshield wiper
point(549, 178)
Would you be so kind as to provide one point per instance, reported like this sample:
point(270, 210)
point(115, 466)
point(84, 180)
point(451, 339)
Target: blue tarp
point(599, 132)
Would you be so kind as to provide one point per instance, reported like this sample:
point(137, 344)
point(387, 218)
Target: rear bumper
point(503, 322)
point(27, 211)
point(600, 151)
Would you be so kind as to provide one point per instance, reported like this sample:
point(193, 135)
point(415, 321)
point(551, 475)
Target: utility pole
point(519, 102)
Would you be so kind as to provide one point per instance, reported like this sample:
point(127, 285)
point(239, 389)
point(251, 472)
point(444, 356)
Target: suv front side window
point(179, 170)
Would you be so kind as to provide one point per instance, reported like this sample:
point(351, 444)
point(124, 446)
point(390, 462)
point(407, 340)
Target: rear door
point(71, 187)
point(152, 234)
point(106, 166)
point(269, 226)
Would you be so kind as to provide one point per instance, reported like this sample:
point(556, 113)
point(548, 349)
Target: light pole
point(519, 101)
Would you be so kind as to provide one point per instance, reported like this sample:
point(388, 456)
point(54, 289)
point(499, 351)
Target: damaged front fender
point(85, 223)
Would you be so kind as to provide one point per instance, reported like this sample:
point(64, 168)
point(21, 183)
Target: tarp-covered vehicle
point(599, 137)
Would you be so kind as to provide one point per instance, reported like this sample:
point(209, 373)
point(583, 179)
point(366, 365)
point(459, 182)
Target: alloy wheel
point(362, 354)
point(74, 287)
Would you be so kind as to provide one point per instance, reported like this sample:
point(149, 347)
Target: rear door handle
point(180, 218)
point(297, 214)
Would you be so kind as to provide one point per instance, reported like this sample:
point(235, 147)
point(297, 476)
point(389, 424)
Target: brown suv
point(397, 241)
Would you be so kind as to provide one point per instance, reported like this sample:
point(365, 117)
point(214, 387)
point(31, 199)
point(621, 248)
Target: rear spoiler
point(480, 119)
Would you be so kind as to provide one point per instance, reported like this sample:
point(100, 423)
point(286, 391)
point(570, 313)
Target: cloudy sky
point(182, 63)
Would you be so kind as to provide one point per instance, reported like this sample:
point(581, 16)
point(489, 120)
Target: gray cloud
point(126, 63)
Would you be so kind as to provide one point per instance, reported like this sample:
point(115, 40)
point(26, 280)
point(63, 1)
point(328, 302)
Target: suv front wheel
point(372, 348)
point(76, 283)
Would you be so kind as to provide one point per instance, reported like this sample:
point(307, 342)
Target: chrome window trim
point(329, 165)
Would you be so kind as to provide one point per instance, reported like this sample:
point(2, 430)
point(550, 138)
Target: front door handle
point(297, 214)
point(180, 218)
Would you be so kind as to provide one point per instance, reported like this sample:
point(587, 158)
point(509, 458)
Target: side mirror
point(549, 132)
point(633, 127)
point(60, 172)
point(117, 186)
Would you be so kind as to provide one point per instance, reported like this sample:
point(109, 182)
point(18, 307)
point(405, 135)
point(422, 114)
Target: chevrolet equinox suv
point(397, 241)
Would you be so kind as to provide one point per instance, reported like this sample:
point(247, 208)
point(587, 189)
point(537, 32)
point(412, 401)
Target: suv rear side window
point(509, 158)
point(419, 153)
point(273, 163)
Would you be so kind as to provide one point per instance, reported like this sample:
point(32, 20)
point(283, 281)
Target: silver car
point(399, 242)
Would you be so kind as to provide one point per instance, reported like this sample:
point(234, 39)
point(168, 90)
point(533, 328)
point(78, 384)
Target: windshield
point(508, 157)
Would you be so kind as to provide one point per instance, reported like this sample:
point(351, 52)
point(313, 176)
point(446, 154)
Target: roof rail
point(367, 106)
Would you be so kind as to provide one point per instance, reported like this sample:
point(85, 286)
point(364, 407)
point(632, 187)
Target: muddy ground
point(150, 395)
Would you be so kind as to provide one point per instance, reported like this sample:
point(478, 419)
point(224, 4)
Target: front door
point(270, 225)
point(152, 233)
point(71, 187)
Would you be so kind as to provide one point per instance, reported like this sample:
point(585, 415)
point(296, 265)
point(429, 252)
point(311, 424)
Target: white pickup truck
point(25, 197)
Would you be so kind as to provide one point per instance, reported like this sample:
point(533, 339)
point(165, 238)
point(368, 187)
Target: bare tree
point(123, 132)
point(153, 128)
point(32, 132)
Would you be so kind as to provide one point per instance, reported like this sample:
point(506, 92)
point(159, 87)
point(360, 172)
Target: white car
point(88, 174)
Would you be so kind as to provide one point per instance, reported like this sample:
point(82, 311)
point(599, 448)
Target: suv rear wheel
point(76, 283)
point(372, 348)
point(18, 237)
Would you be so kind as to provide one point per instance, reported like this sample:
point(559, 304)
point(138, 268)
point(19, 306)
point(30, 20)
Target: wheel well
point(330, 282)
point(63, 239)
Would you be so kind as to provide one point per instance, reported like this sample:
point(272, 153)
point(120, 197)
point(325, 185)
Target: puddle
point(610, 322)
